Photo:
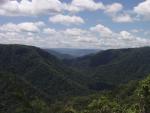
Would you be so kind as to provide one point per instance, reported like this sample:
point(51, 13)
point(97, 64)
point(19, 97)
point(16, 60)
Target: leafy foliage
point(137, 101)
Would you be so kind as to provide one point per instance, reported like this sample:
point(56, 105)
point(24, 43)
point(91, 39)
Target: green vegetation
point(18, 96)
point(34, 81)
point(42, 70)
point(136, 100)
point(114, 67)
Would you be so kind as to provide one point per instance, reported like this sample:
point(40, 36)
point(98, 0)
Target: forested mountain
point(133, 97)
point(112, 81)
point(41, 69)
point(115, 66)
point(19, 96)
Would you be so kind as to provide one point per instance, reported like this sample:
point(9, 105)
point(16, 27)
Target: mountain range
point(35, 81)
point(72, 51)
point(114, 66)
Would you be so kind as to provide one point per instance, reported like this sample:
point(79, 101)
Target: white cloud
point(49, 31)
point(89, 41)
point(126, 35)
point(116, 12)
point(123, 18)
point(136, 30)
point(98, 36)
point(74, 31)
point(71, 8)
point(59, 7)
point(25, 26)
point(143, 9)
point(51, 7)
point(87, 4)
point(28, 27)
point(36, 7)
point(122, 39)
point(9, 27)
point(113, 8)
point(66, 19)
point(27, 7)
point(104, 31)
point(40, 24)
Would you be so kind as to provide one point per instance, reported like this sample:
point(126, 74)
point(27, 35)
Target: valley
point(111, 81)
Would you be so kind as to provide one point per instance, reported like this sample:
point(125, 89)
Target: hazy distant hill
point(75, 52)
point(59, 54)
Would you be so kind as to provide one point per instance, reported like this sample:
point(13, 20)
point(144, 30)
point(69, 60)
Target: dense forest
point(112, 81)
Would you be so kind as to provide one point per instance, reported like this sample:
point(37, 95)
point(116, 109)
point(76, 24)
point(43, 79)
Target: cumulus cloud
point(75, 32)
point(30, 7)
point(126, 35)
point(143, 9)
point(59, 11)
point(25, 26)
point(122, 39)
point(31, 27)
point(40, 24)
point(49, 31)
point(98, 36)
point(123, 18)
point(104, 31)
point(40, 7)
point(66, 19)
point(70, 8)
point(87, 5)
point(113, 8)
point(36, 7)
point(116, 12)
point(50, 7)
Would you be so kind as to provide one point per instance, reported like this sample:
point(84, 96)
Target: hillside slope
point(34, 81)
point(133, 97)
point(114, 66)
point(42, 70)
point(19, 96)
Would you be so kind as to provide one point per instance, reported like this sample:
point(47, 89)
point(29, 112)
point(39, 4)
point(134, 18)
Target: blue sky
point(75, 23)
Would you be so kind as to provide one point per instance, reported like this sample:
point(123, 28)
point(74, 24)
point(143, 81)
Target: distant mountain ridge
point(74, 52)
point(59, 55)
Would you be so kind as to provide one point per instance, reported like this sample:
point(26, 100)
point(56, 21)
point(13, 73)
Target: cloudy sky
point(100, 24)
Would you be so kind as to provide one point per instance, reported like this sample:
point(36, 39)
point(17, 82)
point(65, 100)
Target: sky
point(100, 24)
